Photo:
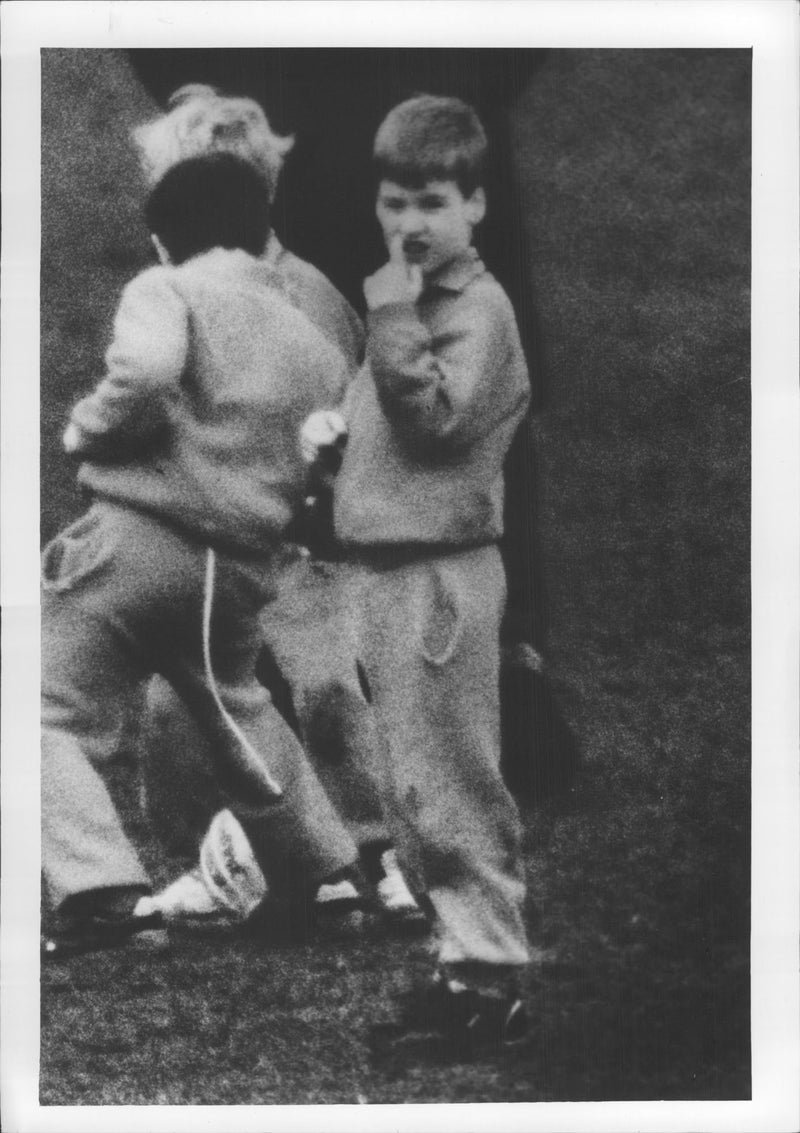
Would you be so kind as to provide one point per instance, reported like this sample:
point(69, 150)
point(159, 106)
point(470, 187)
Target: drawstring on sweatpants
point(247, 748)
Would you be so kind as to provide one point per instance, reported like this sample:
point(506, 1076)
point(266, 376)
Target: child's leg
point(301, 829)
point(88, 673)
point(432, 663)
point(135, 589)
point(84, 845)
point(311, 634)
point(180, 791)
point(183, 793)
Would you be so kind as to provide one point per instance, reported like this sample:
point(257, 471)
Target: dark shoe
point(333, 908)
point(461, 1024)
point(142, 928)
point(189, 902)
point(466, 1012)
point(491, 1024)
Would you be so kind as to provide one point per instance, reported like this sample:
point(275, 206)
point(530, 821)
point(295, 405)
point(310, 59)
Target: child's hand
point(324, 429)
point(72, 438)
point(396, 282)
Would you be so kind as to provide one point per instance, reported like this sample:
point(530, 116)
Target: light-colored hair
point(431, 137)
point(199, 121)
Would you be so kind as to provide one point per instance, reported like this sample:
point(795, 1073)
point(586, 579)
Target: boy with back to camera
point(190, 450)
point(308, 665)
point(418, 505)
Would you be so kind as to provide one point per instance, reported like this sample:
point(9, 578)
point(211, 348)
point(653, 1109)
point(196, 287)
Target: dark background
point(628, 243)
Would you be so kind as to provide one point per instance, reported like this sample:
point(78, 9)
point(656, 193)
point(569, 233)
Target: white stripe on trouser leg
point(247, 748)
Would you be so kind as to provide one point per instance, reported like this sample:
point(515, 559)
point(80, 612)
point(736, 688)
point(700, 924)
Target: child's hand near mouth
point(397, 281)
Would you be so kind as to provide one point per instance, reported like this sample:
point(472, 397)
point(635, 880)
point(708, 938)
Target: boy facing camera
point(418, 506)
point(190, 451)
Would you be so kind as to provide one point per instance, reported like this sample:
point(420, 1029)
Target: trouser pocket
point(79, 552)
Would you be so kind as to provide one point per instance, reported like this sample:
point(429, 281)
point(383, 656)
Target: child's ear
point(476, 206)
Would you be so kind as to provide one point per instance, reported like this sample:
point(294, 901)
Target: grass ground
point(635, 176)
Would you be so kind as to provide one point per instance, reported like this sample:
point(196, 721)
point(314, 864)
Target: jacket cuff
point(390, 315)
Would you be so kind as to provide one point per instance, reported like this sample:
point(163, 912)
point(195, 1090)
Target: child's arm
point(450, 387)
point(144, 364)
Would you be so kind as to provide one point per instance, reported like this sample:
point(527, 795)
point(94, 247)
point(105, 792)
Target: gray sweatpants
point(311, 633)
point(430, 648)
point(123, 598)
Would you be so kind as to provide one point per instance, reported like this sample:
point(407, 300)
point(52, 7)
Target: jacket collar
point(453, 276)
point(458, 273)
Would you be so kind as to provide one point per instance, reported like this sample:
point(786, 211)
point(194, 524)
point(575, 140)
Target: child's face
point(435, 223)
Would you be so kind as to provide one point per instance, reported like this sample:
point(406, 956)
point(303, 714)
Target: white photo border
point(770, 28)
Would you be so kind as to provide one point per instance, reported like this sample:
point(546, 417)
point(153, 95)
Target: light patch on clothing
point(440, 617)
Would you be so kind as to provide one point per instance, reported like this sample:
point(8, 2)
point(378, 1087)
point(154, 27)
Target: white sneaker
point(394, 897)
point(188, 899)
point(334, 891)
point(340, 904)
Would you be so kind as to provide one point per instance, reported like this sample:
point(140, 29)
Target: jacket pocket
point(81, 551)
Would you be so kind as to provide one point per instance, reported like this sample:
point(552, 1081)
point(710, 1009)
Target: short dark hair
point(431, 138)
point(213, 201)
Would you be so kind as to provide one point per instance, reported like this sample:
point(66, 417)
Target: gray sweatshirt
point(212, 370)
point(431, 416)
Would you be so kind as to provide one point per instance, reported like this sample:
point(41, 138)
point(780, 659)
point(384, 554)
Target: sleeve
point(349, 336)
point(353, 337)
point(315, 295)
point(144, 365)
point(451, 386)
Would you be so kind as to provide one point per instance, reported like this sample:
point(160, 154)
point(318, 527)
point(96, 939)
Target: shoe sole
point(341, 916)
point(217, 919)
point(151, 940)
point(326, 920)
point(405, 922)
